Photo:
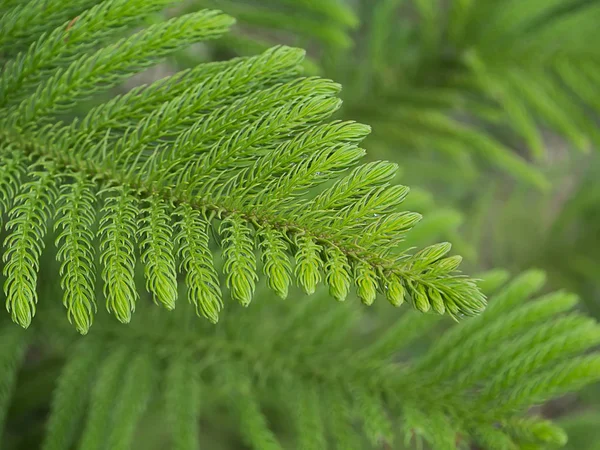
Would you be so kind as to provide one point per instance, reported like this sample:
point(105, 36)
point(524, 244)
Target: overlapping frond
point(470, 82)
point(240, 151)
point(228, 182)
point(14, 164)
point(69, 30)
point(104, 68)
point(328, 23)
point(329, 384)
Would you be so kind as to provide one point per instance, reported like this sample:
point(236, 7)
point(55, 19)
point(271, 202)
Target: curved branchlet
point(308, 263)
point(158, 257)
point(75, 218)
point(276, 263)
point(27, 226)
point(240, 259)
point(197, 263)
point(118, 243)
point(80, 26)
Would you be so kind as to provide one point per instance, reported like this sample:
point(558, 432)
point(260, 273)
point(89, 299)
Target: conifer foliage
point(233, 149)
point(230, 182)
point(310, 377)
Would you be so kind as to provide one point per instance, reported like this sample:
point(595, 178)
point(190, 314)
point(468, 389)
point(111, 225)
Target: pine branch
point(175, 160)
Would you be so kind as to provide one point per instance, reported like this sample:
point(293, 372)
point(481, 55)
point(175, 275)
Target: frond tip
point(240, 149)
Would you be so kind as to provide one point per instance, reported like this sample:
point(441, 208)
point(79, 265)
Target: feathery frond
point(242, 147)
point(158, 256)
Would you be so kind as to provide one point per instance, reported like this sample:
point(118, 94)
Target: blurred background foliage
point(491, 109)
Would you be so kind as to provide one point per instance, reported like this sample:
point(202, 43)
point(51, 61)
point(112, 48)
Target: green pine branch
point(240, 149)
